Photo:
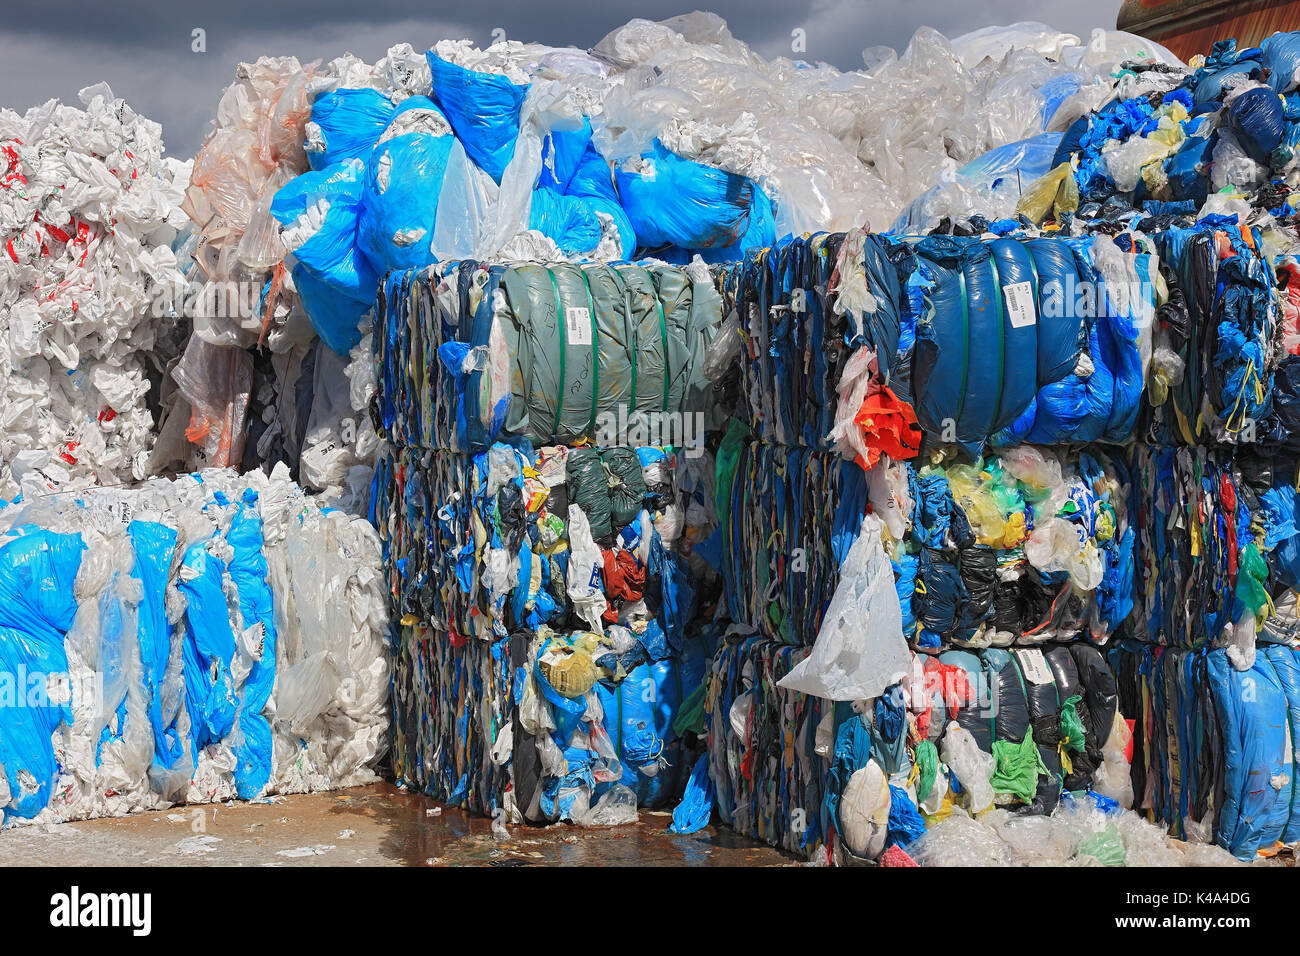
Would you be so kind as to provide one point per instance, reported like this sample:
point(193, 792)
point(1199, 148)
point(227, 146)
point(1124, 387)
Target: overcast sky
point(143, 49)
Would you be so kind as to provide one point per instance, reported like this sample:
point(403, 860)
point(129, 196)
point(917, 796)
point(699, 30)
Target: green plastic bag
point(1017, 768)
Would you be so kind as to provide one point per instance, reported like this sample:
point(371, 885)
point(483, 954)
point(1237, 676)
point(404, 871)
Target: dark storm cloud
point(143, 49)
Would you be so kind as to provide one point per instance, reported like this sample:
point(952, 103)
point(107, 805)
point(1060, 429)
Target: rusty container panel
point(1188, 27)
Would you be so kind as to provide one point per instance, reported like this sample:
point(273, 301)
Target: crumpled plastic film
point(89, 288)
point(1081, 836)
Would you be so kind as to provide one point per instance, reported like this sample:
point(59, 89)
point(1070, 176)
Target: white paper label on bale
point(1034, 666)
point(1020, 304)
point(577, 326)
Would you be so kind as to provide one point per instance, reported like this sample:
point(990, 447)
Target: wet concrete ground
point(379, 825)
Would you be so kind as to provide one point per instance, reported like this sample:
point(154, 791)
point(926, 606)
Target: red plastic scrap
point(888, 427)
point(895, 855)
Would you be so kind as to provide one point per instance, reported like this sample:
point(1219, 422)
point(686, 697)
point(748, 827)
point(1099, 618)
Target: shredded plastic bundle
point(187, 641)
point(89, 289)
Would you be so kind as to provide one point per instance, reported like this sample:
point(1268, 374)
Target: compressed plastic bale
point(1020, 296)
point(583, 368)
point(1258, 759)
point(90, 288)
point(34, 622)
point(1286, 666)
point(136, 750)
point(673, 201)
point(345, 125)
point(483, 109)
point(400, 201)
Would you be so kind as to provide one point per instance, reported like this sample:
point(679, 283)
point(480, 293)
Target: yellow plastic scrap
point(1054, 193)
point(568, 666)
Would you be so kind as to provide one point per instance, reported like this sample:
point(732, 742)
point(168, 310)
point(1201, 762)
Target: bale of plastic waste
point(183, 609)
point(90, 289)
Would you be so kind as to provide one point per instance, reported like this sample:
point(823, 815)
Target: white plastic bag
point(585, 564)
point(860, 649)
point(972, 767)
point(1112, 778)
point(864, 811)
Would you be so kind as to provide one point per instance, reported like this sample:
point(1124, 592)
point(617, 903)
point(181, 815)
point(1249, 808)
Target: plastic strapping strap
point(564, 347)
point(1002, 333)
point(663, 338)
point(965, 325)
point(595, 351)
point(632, 329)
point(1033, 271)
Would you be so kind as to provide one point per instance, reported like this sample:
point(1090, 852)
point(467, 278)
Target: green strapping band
point(564, 348)
point(595, 353)
point(965, 324)
point(1002, 334)
point(663, 338)
point(633, 337)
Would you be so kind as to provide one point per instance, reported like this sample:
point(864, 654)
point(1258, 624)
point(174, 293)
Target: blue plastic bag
point(1282, 58)
point(402, 185)
point(331, 252)
point(349, 121)
point(676, 202)
point(1256, 116)
point(335, 317)
point(483, 109)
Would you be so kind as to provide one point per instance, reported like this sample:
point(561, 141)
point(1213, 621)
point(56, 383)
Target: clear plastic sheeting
point(1081, 835)
point(88, 283)
point(837, 149)
point(248, 289)
point(189, 641)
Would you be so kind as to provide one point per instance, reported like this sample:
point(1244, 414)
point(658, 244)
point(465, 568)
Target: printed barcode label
point(1034, 666)
point(577, 326)
point(1020, 304)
